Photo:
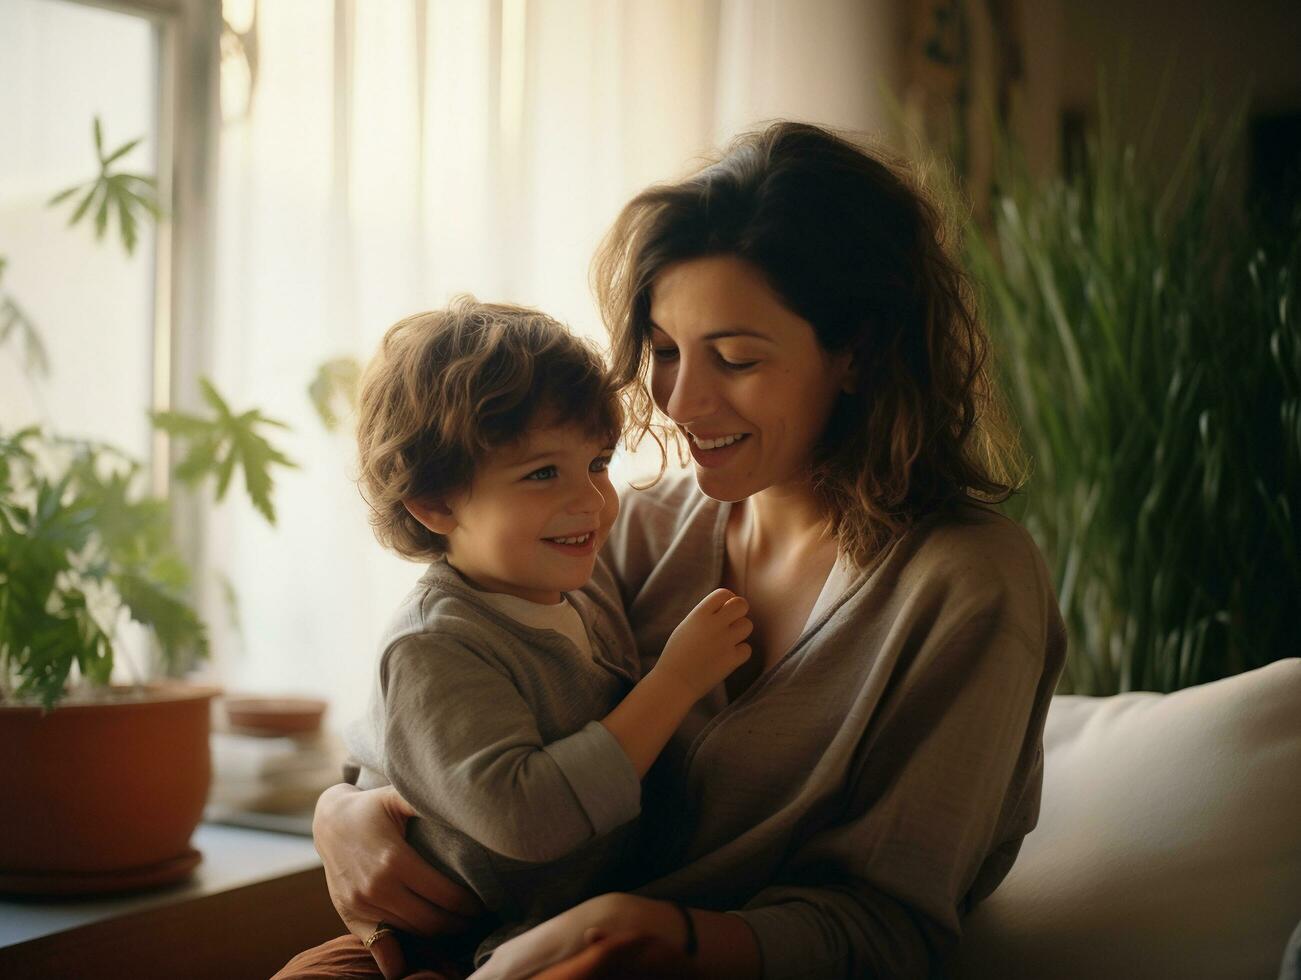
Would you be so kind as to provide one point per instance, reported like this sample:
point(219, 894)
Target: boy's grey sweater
point(487, 727)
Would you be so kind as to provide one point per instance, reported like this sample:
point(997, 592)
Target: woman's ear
point(844, 368)
point(433, 514)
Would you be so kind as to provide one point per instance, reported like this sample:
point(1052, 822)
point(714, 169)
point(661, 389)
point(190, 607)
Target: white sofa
point(1168, 845)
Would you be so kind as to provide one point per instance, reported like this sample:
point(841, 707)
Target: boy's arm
point(706, 647)
point(646, 719)
point(461, 743)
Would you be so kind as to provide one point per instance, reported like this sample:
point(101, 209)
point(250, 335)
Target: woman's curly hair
point(448, 387)
point(851, 245)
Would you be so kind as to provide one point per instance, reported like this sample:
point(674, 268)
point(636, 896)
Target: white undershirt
point(560, 617)
point(563, 618)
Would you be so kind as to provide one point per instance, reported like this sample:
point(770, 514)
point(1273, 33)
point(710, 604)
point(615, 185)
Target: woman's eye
point(545, 473)
point(600, 464)
point(664, 353)
point(735, 365)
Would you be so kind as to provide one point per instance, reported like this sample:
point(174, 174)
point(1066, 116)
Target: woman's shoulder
point(651, 520)
point(668, 496)
point(973, 569)
point(972, 547)
point(659, 512)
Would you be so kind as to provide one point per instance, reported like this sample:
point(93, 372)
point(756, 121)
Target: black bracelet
point(692, 943)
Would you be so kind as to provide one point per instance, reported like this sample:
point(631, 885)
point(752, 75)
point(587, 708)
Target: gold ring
point(380, 930)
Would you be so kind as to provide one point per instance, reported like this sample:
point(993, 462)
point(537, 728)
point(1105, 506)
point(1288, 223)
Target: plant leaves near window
point(70, 524)
point(337, 381)
point(124, 196)
point(15, 323)
point(216, 446)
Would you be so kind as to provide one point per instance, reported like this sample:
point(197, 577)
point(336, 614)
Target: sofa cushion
point(1168, 844)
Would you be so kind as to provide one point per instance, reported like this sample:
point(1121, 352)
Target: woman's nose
point(692, 397)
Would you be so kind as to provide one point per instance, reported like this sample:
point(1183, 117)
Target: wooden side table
point(257, 898)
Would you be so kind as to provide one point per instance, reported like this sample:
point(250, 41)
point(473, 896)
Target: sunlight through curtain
point(397, 153)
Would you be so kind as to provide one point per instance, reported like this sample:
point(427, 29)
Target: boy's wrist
point(672, 688)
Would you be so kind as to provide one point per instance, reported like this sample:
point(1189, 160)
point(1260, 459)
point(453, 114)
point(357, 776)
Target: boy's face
point(534, 517)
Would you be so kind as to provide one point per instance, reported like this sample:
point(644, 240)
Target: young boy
point(509, 710)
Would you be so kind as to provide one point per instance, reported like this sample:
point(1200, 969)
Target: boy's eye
point(600, 464)
point(545, 473)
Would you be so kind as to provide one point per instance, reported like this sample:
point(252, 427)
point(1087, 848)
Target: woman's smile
point(742, 375)
point(716, 451)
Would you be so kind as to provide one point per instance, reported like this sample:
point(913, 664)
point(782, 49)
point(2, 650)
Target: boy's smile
point(583, 544)
point(534, 516)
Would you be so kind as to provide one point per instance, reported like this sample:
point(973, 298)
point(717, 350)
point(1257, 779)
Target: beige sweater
point(489, 728)
point(862, 793)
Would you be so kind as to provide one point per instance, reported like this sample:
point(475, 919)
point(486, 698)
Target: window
point(110, 319)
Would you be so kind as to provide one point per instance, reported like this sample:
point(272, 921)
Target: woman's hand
point(624, 957)
point(375, 876)
point(614, 917)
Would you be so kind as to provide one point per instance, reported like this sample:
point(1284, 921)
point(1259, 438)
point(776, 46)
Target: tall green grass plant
point(1150, 347)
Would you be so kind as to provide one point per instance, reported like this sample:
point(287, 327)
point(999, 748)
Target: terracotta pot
point(272, 717)
point(101, 793)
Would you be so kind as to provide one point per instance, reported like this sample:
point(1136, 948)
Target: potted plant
point(1151, 343)
point(104, 784)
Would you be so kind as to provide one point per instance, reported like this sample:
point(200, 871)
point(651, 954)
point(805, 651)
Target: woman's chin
point(727, 487)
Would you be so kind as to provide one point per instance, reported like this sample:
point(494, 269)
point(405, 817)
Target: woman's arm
point(725, 946)
point(374, 876)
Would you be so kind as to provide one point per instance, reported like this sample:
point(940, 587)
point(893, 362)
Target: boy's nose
point(587, 500)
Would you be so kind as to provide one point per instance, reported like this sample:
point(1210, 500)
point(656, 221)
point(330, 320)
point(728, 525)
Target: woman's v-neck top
point(876, 781)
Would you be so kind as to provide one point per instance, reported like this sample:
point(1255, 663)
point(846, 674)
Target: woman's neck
point(784, 518)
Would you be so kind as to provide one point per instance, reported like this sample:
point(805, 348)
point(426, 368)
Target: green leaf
point(213, 398)
point(113, 194)
point(218, 446)
point(179, 630)
point(225, 469)
point(199, 459)
point(181, 424)
point(84, 204)
point(123, 150)
point(337, 380)
point(63, 195)
point(14, 320)
point(101, 213)
point(127, 222)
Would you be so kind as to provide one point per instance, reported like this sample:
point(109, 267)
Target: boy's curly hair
point(450, 386)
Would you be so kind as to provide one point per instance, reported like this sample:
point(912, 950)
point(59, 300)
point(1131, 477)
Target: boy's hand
point(709, 644)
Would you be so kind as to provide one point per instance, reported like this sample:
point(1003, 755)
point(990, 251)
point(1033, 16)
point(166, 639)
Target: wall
point(1194, 48)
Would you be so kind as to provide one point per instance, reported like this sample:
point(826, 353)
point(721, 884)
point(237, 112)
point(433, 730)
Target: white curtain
point(399, 152)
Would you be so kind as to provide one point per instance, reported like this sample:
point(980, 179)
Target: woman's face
point(744, 378)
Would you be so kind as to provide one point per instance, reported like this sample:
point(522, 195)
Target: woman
point(870, 774)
